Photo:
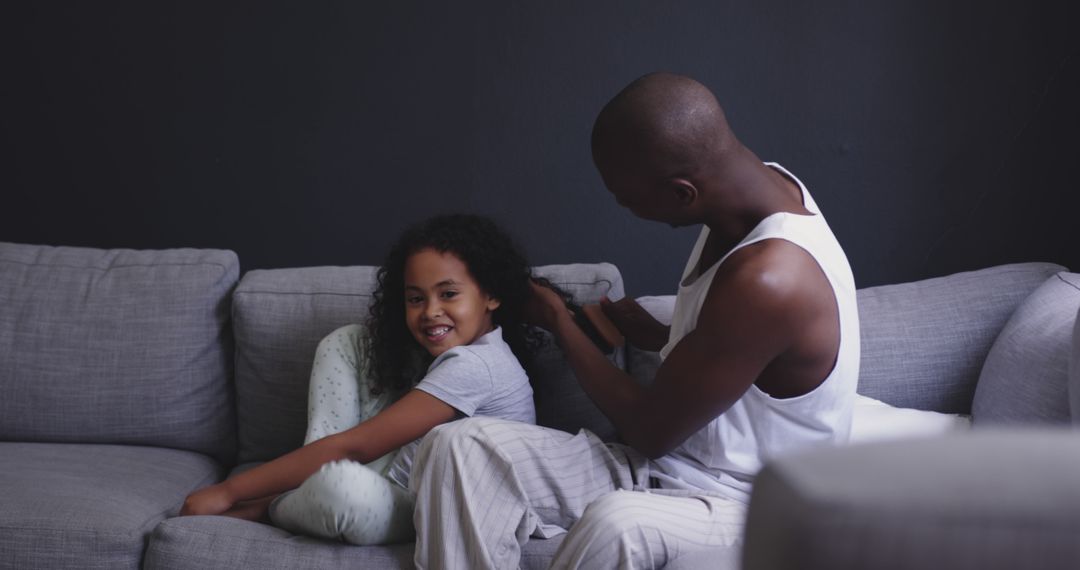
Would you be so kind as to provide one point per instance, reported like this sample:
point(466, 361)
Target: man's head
point(658, 143)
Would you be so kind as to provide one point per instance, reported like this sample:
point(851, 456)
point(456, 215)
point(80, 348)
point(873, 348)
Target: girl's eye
point(413, 300)
point(449, 294)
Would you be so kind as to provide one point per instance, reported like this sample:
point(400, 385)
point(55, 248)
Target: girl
point(449, 300)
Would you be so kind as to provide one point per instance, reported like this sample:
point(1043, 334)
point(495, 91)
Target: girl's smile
point(444, 306)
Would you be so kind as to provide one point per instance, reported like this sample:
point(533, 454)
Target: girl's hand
point(544, 307)
point(212, 500)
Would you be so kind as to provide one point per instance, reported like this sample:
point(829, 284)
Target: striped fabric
point(484, 486)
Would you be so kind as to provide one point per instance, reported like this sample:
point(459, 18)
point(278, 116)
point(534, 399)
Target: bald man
point(761, 359)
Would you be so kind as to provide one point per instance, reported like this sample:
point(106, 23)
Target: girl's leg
point(347, 501)
point(340, 391)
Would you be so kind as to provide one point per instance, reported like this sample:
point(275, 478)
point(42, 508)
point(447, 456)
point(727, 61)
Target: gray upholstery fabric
point(89, 505)
point(280, 315)
point(644, 364)
point(924, 343)
point(207, 543)
point(560, 401)
point(1026, 375)
point(587, 282)
point(117, 346)
point(1074, 373)
point(982, 501)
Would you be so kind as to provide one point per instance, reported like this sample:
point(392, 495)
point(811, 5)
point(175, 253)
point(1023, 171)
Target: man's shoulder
point(775, 283)
point(775, 268)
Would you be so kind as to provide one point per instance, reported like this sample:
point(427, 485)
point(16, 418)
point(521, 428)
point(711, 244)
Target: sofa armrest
point(986, 500)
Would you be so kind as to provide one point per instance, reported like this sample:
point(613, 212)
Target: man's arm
point(639, 327)
point(750, 316)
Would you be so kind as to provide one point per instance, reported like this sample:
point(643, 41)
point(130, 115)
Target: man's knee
point(615, 518)
point(609, 534)
point(614, 514)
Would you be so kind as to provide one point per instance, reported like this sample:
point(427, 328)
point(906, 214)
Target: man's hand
point(544, 307)
point(213, 500)
point(635, 323)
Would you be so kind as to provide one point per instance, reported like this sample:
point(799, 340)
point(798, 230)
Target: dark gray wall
point(937, 136)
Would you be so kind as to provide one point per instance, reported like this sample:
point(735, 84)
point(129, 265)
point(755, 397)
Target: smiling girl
point(444, 341)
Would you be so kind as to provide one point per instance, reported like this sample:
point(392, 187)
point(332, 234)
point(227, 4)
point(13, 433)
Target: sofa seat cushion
point(1025, 379)
point(89, 506)
point(207, 543)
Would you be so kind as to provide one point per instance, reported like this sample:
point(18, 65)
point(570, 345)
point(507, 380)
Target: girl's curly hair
point(493, 260)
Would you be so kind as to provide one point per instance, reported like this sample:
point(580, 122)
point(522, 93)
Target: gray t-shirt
point(482, 379)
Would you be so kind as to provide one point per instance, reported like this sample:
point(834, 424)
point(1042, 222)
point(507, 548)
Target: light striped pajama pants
point(484, 486)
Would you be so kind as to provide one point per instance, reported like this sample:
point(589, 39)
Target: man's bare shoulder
point(780, 300)
point(773, 275)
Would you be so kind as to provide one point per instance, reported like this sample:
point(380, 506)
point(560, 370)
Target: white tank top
point(725, 455)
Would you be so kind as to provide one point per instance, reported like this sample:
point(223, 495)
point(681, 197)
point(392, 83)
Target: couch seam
point(1067, 282)
point(96, 268)
point(607, 282)
point(301, 293)
point(233, 537)
point(143, 532)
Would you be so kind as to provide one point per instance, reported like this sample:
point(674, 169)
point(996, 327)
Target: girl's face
point(444, 306)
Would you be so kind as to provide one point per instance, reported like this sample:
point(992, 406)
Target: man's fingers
point(610, 308)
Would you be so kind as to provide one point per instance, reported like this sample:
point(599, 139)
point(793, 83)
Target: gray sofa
point(130, 378)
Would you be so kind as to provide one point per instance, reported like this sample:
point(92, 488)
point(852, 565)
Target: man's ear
point(684, 190)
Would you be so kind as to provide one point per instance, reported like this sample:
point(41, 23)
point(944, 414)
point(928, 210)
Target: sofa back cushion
point(280, 315)
point(924, 342)
point(560, 401)
point(1025, 379)
point(1074, 374)
point(117, 346)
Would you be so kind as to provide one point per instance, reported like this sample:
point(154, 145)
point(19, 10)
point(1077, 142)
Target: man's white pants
point(484, 486)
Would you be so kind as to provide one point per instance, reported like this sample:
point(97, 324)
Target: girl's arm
point(402, 422)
